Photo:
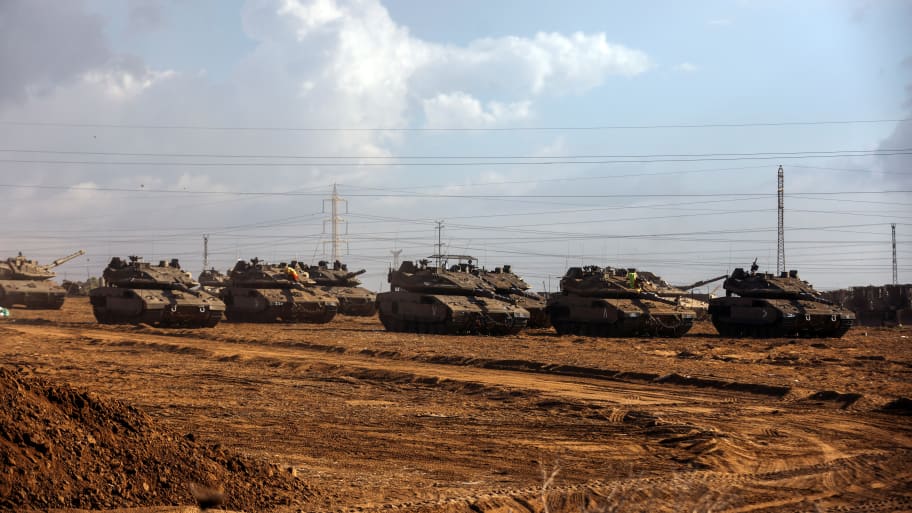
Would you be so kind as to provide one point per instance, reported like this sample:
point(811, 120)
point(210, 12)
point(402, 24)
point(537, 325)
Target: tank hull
point(537, 308)
point(765, 318)
point(164, 308)
point(36, 294)
point(244, 304)
point(617, 317)
point(415, 312)
point(355, 301)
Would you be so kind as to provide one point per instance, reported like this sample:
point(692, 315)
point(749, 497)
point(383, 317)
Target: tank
point(608, 302)
point(507, 283)
point(212, 281)
point(427, 299)
point(26, 283)
point(338, 281)
point(257, 291)
point(680, 294)
point(160, 295)
point(764, 305)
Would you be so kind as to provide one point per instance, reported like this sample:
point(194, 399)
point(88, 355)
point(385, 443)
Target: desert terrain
point(348, 417)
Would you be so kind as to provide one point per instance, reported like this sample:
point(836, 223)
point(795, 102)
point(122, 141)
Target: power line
point(58, 124)
point(631, 160)
point(426, 195)
point(441, 157)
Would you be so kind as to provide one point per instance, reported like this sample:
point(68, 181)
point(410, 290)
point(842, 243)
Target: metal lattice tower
point(334, 220)
point(895, 268)
point(780, 251)
point(396, 253)
point(439, 242)
point(205, 251)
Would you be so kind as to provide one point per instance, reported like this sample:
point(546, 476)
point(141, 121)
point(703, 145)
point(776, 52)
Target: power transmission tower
point(895, 268)
point(205, 251)
point(439, 254)
point(334, 220)
point(780, 254)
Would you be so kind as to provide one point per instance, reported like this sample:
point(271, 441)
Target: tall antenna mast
point(780, 254)
point(895, 269)
point(439, 254)
point(334, 220)
point(396, 253)
point(205, 251)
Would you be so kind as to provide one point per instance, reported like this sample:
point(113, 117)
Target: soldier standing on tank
point(292, 274)
point(632, 278)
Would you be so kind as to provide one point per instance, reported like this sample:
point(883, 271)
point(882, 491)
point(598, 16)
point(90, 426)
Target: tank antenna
point(895, 268)
point(780, 254)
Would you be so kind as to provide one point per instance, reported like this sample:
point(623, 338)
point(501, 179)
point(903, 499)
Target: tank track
point(621, 329)
point(273, 315)
point(473, 326)
point(357, 309)
point(35, 300)
point(161, 318)
point(787, 328)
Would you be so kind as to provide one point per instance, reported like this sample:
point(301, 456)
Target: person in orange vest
point(292, 274)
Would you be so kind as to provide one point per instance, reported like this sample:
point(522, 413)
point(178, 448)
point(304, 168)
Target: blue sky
point(123, 71)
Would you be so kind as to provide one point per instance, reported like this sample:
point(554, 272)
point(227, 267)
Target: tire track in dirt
point(694, 421)
point(838, 399)
point(593, 390)
point(719, 492)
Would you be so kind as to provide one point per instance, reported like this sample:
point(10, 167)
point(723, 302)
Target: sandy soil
point(372, 420)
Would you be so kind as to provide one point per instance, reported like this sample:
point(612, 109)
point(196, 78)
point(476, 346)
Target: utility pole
point(895, 268)
point(439, 254)
point(205, 251)
point(780, 254)
point(334, 220)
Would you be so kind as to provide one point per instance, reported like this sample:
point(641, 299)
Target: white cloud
point(461, 110)
point(686, 67)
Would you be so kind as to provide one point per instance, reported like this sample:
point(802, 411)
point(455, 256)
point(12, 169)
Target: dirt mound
point(65, 448)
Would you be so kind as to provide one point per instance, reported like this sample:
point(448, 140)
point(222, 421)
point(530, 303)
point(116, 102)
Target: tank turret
point(453, 300)
point(212, 280)
point(26, 283)
point(139, 292)
point(767, 305)
point(338, 281)
point(258, 291)
point(507, 283)
point(614, 303)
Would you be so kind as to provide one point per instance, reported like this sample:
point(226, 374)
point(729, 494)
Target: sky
point(537, 134)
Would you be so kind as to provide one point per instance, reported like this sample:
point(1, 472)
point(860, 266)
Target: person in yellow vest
point(292, 274)
point(632, 278)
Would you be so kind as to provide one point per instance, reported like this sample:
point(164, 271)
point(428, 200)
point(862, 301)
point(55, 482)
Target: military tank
point(338, 281)
point(680, 294)
point(427, 299)
point(161, 295)
point(608, 302)
point(257, 291)
point(507, 283)
point(212, 281)
point(763, 305)
point(26, 283)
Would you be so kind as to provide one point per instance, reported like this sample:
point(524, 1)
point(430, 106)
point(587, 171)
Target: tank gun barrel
point(355, 273)
point(61, 261)
point(702, 282)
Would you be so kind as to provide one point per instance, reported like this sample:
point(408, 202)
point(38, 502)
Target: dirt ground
point(369, 420)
